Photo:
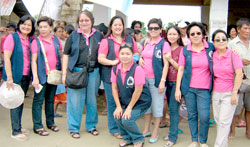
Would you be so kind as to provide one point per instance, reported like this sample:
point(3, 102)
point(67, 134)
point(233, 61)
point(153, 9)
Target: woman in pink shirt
point(156, 69)
point(108, 56)
point(194, 82)
point(131, 95)
point(17, 67)
point(227, 67)
point(52, 46)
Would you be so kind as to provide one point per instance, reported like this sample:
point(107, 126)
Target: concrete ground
point(63, 139)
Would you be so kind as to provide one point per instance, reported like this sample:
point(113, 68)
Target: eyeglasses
point(220, 40)
point(124, 45)
point(197, 33)
point(153, 28)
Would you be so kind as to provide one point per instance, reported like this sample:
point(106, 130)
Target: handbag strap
point(45, 56)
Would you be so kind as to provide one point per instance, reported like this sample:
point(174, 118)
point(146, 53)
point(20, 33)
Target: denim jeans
point(173, 111)
point(77, 98)
point(16, 114)
point(128, 128)
point(113, 128)
point(198, 106)
point(48, 92)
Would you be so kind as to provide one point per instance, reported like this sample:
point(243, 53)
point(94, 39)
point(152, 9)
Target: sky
point(168, 13)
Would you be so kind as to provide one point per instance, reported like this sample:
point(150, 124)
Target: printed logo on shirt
point(158, 54)
point(210, 54)
point(130, 82)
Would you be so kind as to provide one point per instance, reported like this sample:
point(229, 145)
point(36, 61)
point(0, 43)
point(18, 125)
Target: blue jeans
point(77, 98)
point(48, 93)
point(128, 128)
point(173, 111)
point(113, 128)
point(198, 106)
point(16, 113)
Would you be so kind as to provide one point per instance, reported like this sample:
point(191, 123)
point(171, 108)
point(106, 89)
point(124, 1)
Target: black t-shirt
point(82, 58)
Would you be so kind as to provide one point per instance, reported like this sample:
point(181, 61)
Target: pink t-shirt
point(2, 42)
point(201, 74)
point(9, 45)
point(139, 76)
point(223, 70)
point(49, 49)
point(147, 54)
point(172, 72)
point(86, 37)
point(103, 48)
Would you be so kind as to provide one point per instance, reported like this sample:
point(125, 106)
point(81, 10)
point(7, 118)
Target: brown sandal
point(53, 128)
point(94, 132)
point(75, 135)
point(41, 132)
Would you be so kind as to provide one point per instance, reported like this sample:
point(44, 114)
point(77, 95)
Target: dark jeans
point(198, 107)
point(173, 112)
point(48, 92)
point(16, 114)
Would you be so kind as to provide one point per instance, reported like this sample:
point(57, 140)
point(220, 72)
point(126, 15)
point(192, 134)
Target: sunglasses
point(197, 33)
point(153, 28)
point(220, 40)
point(124, 45)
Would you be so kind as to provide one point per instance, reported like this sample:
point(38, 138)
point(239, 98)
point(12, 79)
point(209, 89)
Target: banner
point(7, 7)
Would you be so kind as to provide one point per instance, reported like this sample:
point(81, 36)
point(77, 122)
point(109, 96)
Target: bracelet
point(129, 108)
point(235, 89)
point(9, 79)
point(163, 80)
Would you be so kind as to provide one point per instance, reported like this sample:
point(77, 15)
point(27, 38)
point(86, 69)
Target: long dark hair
point(110, 26)
point(179, 41)
point(23, 19)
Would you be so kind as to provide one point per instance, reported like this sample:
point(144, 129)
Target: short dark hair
point(111, 23)
point(87, 13)
point(11, 25)
point(23, 19)
point(129, 31)
point(242, 21)
point(219, 31)
point(134, 23)
point(230, 27)
point(69, 28)
point(155, 20)
point(179, 41)
point(198, 24)
point(137, 31)
point(126, 45)
point(57, 27)
point(45, 19)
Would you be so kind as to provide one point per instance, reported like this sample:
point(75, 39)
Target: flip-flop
point(75, 135)
point(94, 132)
point(211, 122)
point(147, 134)
point(180, 131)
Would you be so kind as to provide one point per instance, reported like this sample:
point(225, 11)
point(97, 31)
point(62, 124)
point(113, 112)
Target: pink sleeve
point(135, 48)
point(237, 62)
point(103, 48)
point(34, 47)
point(166, 48)
point(9, 43)
point(139, 76)
point(113, 76)
point(181, 61)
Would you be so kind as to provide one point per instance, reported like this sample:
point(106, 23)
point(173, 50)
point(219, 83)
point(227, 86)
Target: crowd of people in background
point(170, 74)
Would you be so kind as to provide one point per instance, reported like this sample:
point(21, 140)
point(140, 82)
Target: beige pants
point(223, 115)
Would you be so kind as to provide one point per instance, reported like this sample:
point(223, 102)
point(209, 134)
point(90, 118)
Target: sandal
point(125, 144)
point(117, 135)
point(169, 144)
point(19, 137)
point(41, 132)
point(75, 135)
point(94, 132)
point(164, 125)
point(53, 128)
